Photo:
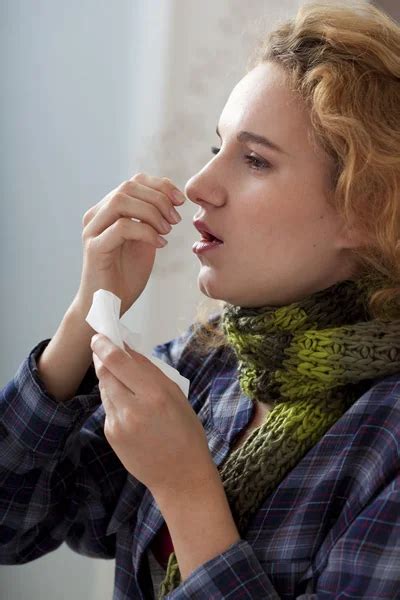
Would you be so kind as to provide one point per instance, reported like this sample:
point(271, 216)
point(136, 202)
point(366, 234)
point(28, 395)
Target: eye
point(256, 163)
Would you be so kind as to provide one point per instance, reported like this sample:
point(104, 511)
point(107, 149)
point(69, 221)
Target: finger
point(114, 393)
point(135, 372)
point(123, 205)
point(163, 184)
point(109, 407)
point(121, 230)
point(101, 373)
point(156, 196)
point(169, 193)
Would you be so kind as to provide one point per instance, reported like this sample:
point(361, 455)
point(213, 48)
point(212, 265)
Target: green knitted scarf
point(311, 360)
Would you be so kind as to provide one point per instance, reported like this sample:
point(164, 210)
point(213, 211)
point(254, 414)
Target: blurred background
point(92, 93)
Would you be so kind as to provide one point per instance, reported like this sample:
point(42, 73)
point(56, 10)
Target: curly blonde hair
point(344, 63)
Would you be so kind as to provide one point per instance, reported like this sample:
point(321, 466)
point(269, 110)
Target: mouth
point(206, 234)
point(209, 237)
point(208, 242)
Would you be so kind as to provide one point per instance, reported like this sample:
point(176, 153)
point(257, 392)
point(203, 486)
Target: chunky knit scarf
point(311, 360)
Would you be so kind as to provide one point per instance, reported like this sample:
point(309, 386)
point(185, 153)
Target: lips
point(206, 232)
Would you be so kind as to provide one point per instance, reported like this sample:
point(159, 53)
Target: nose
point(204, 188)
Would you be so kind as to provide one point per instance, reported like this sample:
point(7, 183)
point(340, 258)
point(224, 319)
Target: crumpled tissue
point(103, 317)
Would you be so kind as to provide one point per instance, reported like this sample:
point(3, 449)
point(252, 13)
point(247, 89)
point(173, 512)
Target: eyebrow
point(248, 136)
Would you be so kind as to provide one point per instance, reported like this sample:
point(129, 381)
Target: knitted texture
point(311, 360)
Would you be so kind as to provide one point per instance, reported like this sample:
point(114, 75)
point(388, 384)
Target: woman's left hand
point(149, 422)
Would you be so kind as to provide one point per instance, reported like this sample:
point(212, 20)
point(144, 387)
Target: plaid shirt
point(331, 528)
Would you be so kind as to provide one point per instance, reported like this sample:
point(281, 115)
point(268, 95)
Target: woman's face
point(282, 241)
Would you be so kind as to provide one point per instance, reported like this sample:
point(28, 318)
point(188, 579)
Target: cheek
point(272, 229)
point(287, 235)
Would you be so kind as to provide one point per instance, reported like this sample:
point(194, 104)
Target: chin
point(219, 296)
point(211, 288)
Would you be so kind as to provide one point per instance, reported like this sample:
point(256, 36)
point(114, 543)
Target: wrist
point(171, 500)
point(209, 484)
point(77, 313)
point(201, 524)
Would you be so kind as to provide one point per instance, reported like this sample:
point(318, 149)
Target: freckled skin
point(282, 240)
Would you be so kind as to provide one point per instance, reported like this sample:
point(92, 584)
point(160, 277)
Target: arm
point(363, 563)
point(60, 481)
point(200, 523)
point(68, 356)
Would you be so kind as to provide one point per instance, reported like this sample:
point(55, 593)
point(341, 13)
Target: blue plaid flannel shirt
point(331, 528)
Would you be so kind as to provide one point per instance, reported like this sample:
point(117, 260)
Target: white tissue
point(103, 317)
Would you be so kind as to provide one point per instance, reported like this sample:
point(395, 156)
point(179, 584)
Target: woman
point(280, 477)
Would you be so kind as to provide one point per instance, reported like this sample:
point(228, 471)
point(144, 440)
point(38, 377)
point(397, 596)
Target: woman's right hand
point(118, 253)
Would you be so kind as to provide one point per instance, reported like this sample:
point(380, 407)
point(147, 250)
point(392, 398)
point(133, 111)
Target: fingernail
point(167, 227)
point(175, 216)
point(179, 197)
point(162, 241)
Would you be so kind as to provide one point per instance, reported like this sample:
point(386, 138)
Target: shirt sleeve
point(236, 573)
point(363, 563)
point(59, 478)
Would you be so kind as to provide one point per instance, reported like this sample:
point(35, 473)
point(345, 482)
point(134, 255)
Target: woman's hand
point(150, 423)
point(119, 252)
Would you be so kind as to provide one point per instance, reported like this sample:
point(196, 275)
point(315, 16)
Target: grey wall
point(71, 121)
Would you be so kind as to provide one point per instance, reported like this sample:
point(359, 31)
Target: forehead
point(262, 102)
